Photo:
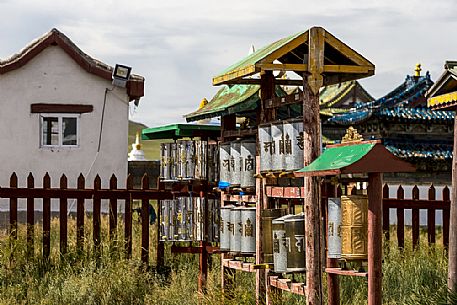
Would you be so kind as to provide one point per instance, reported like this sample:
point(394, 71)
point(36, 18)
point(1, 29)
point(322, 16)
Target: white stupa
point(137, 154)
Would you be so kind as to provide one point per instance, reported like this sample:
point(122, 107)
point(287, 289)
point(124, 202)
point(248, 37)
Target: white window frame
point(60, 117)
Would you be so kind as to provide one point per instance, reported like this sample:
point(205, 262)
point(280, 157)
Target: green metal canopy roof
point(176, 131)
point(363, 157)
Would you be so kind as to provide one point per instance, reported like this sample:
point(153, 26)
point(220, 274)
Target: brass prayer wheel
point(295, 243)
point(267, 231)
point(248, 230)
point(354, 227)
point(279, 244)
point(225, 227)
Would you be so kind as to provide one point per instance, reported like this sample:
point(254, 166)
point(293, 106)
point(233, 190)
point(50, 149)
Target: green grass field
point(410, 277)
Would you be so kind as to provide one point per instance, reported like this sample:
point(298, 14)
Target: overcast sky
point(178, 46)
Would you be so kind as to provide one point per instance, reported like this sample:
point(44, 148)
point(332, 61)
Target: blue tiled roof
point(393, 104)
point(420, 150)
point(416, 114)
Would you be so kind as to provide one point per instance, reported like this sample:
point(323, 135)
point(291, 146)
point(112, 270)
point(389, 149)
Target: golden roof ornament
point(351, 136)
point(203, 103)
point(417, 70)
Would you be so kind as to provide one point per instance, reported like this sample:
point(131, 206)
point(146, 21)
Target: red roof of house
point(135, 85)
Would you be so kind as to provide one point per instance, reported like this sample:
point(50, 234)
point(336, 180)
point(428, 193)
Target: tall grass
point(411, 277)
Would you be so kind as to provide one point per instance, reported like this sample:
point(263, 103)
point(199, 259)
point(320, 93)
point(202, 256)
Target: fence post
point(96, 216)
point(80, 216)
point(13, 208)
point(446, 216)
point(386, 213)
point(145, 222)
point(128, 219)
point(46, 219)
point(431, 217)
point(400, 219)
point(113, 215)
point(63, 209)
point(415, 219)
point(30, 218)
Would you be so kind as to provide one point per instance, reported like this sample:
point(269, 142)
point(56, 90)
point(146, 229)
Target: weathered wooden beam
point(375, 239)
point(347, 69)
point(283, 67)
point(339, 271)
point(452, 267)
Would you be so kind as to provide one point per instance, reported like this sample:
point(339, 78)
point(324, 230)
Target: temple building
point(407, 127)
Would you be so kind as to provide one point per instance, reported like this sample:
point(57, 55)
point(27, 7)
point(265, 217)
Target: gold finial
point(418, 70)
point(203, 103)
point(351, 136)
point(137, 140)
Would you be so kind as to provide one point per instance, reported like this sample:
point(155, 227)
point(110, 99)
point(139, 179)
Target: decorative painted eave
point(416, 151)
point(177, 131)
point(135, 86)
point(395, 104)
point(292, 54)
point(443, 94)
point(356, 157)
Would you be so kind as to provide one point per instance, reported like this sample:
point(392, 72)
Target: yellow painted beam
point(443, 100)
point(347, 69)
point(249, 70)
point(287, 48)
point(283, 67)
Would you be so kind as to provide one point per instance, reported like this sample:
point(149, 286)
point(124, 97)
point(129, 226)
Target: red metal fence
point(431, 205)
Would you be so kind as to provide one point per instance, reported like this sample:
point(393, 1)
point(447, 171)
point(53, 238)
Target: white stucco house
point(61, 114)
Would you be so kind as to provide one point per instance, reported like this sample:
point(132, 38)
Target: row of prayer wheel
point(189, 159)
point(284, 239)
point(183, 219)
point(281, 146)
point(237, 229)
point(237, 163)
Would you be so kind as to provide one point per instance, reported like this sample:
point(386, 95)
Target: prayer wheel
point(213, 220)
point(354, 227)
point(291, 145)
point(224, 157)
point(248, 230)
point(295, 243)
point(267, 232)
point(164, 211)
point(198, 221)
point(279, 244)
point(266, 147)
point(201, 159)
point(278, 140)
point(168, 161)
point(213, 163)
point(235, 163)
point(184, 220)
point(224, 226)
point(334, 228)
point(248, 152)
point(236, 229)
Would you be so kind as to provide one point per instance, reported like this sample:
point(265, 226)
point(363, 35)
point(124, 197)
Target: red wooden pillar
point(452, 267)
point(374, 239)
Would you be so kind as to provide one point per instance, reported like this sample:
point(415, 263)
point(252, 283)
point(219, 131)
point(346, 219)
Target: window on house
point(59, 130)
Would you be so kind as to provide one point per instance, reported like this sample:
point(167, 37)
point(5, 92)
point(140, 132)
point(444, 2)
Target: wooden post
point(446, 216)
point(452, 265)
point(30, 218)
point(415, 219)
point(145, 223)
point(128, 220)
point(431, 217)
point(401, 220)
point(203, 257)
point(113, 215)
point(13, 217)
point(267, 91)
point(386, 215)
point(374, 239)
point(96, 217)
point(311, 143)
point(80, 216)
point(63, 202)
point(46, 219)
